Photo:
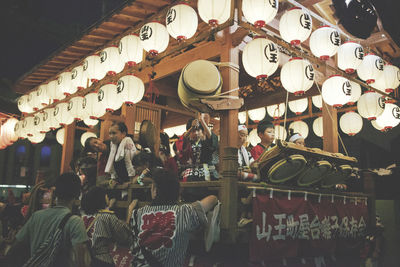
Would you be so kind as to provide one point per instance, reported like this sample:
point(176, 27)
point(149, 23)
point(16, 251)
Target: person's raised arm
point(208, 203)
point(207, 130)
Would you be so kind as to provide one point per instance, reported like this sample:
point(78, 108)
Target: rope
point(286, 108)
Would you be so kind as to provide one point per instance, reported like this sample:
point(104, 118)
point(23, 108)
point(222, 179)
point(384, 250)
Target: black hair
point(164, 144)
point(145, 157)
point(68, 186)
point(121, 126)
point(167, 187)
point(88, 148)
point(94, 200)
point(263, 125)
point(189, 124)
point(88, 166)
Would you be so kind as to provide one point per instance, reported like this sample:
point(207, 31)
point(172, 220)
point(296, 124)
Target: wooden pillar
point(330, 128)
point(129, 113)
point(67, 148)
point(369, 188)
point(104, 127)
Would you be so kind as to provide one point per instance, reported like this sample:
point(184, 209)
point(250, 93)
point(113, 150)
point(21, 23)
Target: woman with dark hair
point(165, 155)
point(104, 229)
point(162, 230)
point(101, 150)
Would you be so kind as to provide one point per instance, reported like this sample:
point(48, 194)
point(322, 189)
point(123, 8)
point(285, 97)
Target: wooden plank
point(68, 148)
point(129, 112)
point(330, 128)
point(131, 13)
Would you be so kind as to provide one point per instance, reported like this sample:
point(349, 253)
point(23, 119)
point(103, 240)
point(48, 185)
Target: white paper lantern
point(295, 26)
point(389, 80)
point(94, 107)
point(111, 60)
point(390, 116)
point(23, 132)
point(44, 98)
point(154, 38)
point(324, 42)
point(90, 122)
point(45, 125)
point(78, 78)
point(53, 91)
point(38, 122)
point(18, 129)
point(350, 56)
point(131, 49)
point(64, 82)
point(62, 114)
point(242, 117)
point(298, 106)
point(336, 91)
point(29, 125)
point(37, 138)
point(214, 12)
point(297, 75)
point(181, 21)
point(259, 12)
point(34, 100)
point(131, 89)
point(109, 96)
point(257, 114)
point(76, 107)
point(60, 136)
point(253, 138)
point(276, 111)
point(93, 69)
point(52, 120)
point(351, 123)
point(280, 132)
point(318, 127)
point(370, 69)
point(377, 126)
point(370, 105)
point(355, 93)
point(299, 127)
point(8, 131)
point(22, 104)
point(317, 101)
point(85, 136)
point(260, 58)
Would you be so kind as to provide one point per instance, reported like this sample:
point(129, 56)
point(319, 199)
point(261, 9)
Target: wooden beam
point(129, 112)
point(330, 128)
point(67, 148)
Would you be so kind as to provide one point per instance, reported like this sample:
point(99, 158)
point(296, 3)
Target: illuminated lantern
point(299, 127)
point(389, 80)
point(110, 97)
point(62, 114)
point(93, 69)
point(336, 91)
point(37, 138)
point(44, 98)
point(31, 101)
point(53, 91)
point(131, 89)
point(214, 12)
point(76, 107)
point(280, 132)
point(22, 104)
point(350, 56)
point(111, 60)
point(295, 26)
point(85, 136)
point(52, 121)
point(370, 69)
point(260, 58)
point(298, 106)
point(370, 105)
point(78, 78)
point(297, 75)
point(324, 42)
point(181, 21)
point(60, 136)
point(8, 132)
point(253, 138)
point(94, 107)
point(390, 116)
point(376, 126)
point(154, 38)
point(355, 93)
point(131, 49)
point(89, 122)
point(36, 101)
point(29, 125)
point(276, 111)
point(259, 12)
point(317, 101)
point(318, 127)
point(257, 114)
point(23, 131)
point(351, 123)
point(18, 129)
point(45, 125)
point(242, 117)
point(65, 83)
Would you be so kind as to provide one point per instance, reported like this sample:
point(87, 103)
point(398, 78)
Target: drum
point(147, 135)
point(286, 168)
point(198, 79)
point(337, 176)
point(314, 172)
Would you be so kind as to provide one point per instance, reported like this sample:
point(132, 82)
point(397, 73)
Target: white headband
point(295, 137)
point(242, 127)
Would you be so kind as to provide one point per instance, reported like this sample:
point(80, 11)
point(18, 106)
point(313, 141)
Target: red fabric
point(185, 150)
point(171, 166)
point(257, 151)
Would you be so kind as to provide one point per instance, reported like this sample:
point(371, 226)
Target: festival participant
point(244, 157)
point(165, 155)
point(266, 132)
point(143, 162)
point(296, 138)
point(100, 150)
point(162, 230)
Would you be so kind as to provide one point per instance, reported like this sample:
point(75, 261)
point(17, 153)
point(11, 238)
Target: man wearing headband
point(296, 138)
point(244, 157)
point(266, 132)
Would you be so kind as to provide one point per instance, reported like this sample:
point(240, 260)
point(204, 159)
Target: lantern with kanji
point(390, 116)
point(131, 89)
point(60, 136)
point(317, 101)
point(299, 127)
point(29, 125)
point(44, 126)
point(298, 106)
point(355, 93)
point(181, 21)
point(110, 97)
point(34, 100)
point(22, 104)
point(131, 49)
point(242, 117)
point(351, 123)
point(8, 132)
point(276, 111)
point(78, 78)
point(280, 132)
point(253, 138)
point(257, 114)
point(260, 58)
point(43, 97)
point(154, 37)
point(94, 106)
point(370, 69)
point(53, 91)
point(64, 83)
point(350, 56)
point(324, 42)
point(18, 129)
point(259, 12)
point(370, 105)
point(295, 26)
point(62, 114)
point(297, 75)
point(214, 12)
point(336, 91)
point(76, 107)
point(93, 69)
point(318, 127)
point(111, 60)
point(85, 136)
point(389, 80)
